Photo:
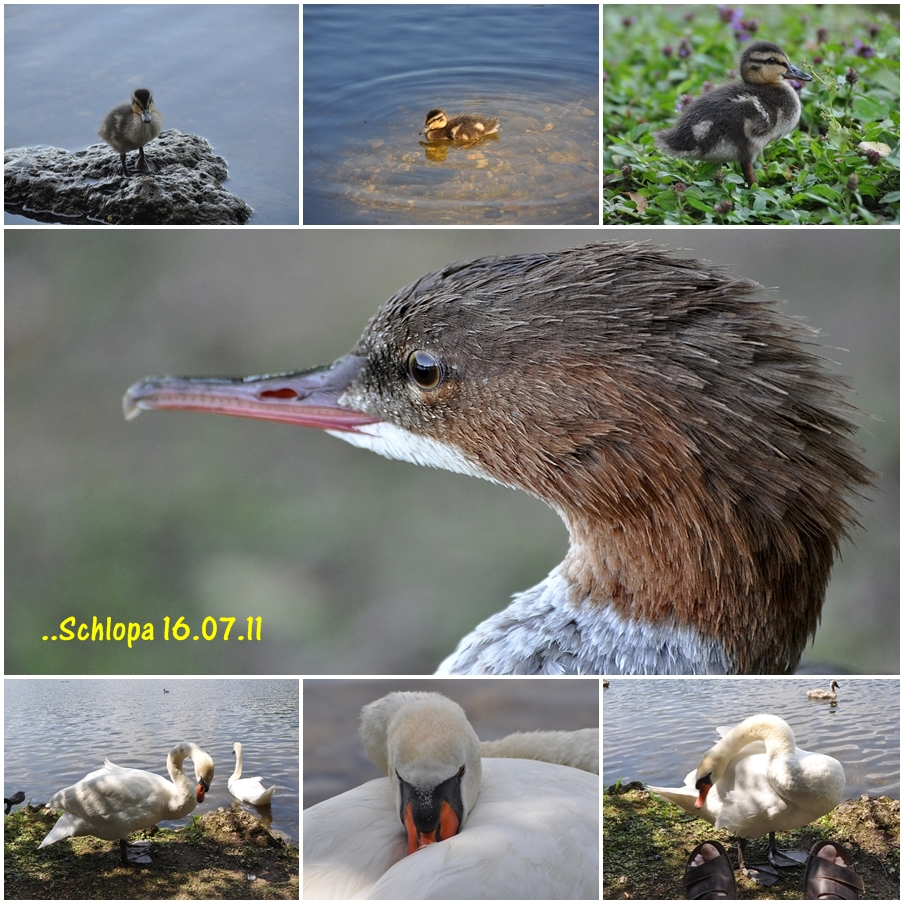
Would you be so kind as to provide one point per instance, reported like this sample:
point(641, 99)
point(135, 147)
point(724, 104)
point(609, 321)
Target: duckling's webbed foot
point(144, 164)
point(747, 167)
point(134, 853)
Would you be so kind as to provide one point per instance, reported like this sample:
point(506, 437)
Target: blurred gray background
point(356, 564)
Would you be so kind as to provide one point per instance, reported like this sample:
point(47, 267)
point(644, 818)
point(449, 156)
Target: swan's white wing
point(251, 790)
point(751, 806)
point(580, 749)
point(351, 840)
point(110, 804)
point(533, 834)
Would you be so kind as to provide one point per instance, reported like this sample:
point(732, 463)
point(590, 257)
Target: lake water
point(334, 760)
point(57, 731)
point(228, 73)
point(372, 72)
point(656, 730)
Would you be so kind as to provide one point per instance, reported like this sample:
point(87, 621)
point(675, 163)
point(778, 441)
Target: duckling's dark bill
point(307, 398)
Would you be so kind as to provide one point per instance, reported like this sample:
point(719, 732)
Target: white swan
point(824, 695)
point(114, 801)
point(578, 749)
point(507, 828)
point(755, 781)
point(249, 790)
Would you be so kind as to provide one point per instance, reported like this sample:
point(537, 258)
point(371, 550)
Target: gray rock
point(55, 186)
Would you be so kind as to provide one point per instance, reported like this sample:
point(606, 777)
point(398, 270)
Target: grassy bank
point(646, 843)
point(226, 853)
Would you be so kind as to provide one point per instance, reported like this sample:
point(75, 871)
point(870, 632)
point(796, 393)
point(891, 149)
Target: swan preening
point(249, 790)
point(508, 828)
point(114, 801)
point(755, 781)
point(824, 695)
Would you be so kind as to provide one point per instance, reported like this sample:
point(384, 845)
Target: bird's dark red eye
point(424, 369)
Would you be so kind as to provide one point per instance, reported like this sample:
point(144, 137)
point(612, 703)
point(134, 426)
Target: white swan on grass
point(249, 790)
point(114, 801)
point(499, 828)
point(754, 782)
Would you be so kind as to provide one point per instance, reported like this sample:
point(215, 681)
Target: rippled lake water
point(57, 731)
point(656, 730)
point(371, 73)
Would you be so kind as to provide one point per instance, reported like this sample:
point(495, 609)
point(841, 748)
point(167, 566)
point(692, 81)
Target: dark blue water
point(371, 73)
point(227, 73)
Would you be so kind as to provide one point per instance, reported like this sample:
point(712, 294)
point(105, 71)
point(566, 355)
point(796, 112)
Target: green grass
point(646, 843)
point(819, 174)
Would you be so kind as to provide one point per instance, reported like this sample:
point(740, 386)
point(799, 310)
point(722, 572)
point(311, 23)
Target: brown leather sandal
point(713, 879)
point(828, 880)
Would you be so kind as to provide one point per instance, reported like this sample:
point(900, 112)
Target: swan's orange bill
point(449, 825)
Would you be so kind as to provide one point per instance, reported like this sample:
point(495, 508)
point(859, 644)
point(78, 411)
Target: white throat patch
point(395, 442)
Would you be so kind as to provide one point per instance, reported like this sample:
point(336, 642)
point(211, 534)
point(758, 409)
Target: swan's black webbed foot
point(134, 853)
point(787, 858)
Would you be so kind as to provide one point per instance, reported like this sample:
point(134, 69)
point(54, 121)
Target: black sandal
point(711, 877)
point(829, 880)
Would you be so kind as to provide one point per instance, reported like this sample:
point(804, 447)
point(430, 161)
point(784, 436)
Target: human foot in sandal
point(709, 873)
point(830, 874)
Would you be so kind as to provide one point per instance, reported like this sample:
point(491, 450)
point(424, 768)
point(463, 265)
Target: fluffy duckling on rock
point(737, 120)
point(129, 127)
point(461, 127)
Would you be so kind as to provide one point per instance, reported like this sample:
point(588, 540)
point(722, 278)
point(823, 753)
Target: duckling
point(737, 120)
point(461, 127)
point(130, 127)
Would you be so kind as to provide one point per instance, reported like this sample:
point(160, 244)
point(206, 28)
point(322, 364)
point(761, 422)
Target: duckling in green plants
point(460, 127)
point(736, 121)
point(129, 127)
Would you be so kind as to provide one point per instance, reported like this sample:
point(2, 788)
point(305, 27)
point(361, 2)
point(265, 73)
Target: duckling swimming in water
point(737, 120)
point(129, 127)
point(461, 127)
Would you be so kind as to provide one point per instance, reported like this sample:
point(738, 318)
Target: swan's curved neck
point(775, 734)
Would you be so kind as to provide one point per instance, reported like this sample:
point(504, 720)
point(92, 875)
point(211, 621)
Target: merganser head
point(695, 447)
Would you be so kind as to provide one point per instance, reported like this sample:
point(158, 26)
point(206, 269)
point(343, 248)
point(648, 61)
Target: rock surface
point(55, 186)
